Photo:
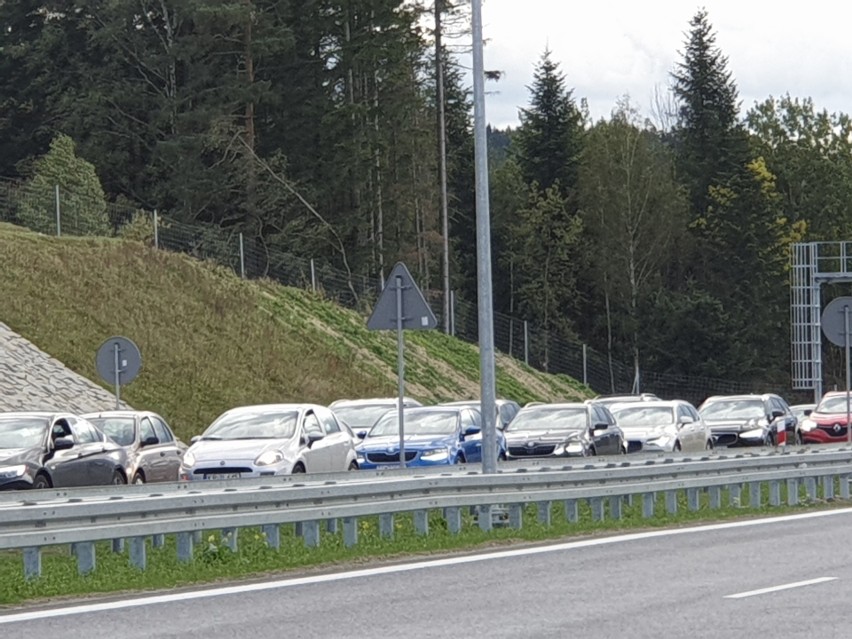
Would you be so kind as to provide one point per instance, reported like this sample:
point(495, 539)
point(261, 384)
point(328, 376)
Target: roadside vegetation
point(211, 341)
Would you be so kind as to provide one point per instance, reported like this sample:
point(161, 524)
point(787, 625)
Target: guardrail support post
point(137, 553)
point(299, 529)
point(184, 546)
point(516, 516)
point(844, 487)
point(544, 513)
point(350, 531)
point(754, 498)
point(597, 506)
point(331, 526)
point(828, 487)
point(811, 488)
point(615, 506)
point(421, 522)
point(692, 499)
point(792, 491)
point(775, 493)
point(735, 495)
point(85, 557)
point(32, 563)
point(198, 536)
point(648, 503)
point(229, 538)
point(671, 502)
point(158, 541)
point(454, 519)
point(386, 525)
point(715, 497)
point(272, 534)
point(311, 533)
point(572, 512)
point(484, 517)
point(118, 545)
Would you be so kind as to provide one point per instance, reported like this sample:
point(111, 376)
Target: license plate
point(387, 466)
point(222, 476)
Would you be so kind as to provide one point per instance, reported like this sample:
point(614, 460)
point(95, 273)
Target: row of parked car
point(41, 450)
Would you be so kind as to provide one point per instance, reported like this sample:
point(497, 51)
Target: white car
point(662, 426)
point(270, 439)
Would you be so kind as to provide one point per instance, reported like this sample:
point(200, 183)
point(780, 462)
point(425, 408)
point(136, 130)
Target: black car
point(573, 429)
point(154, 453)
point(749, 420)
point(43, 450)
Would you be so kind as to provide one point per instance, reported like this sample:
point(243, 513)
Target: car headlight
point(573, 448)
point(755, 433)
point(12, 472)
point(808, 425)
point(436, 454)
point(269, 458)
point(188, 459)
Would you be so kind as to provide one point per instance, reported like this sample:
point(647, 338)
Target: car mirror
point(314, 437)
point(195, 439)
point(777, 413)
point(63, 443)
point(808, 412)
point(600, 426)
point(361, 434)
point(150, 441)
point(471, 430)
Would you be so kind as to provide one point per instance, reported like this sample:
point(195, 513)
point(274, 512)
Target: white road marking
point(384, 570)
point(763, 591)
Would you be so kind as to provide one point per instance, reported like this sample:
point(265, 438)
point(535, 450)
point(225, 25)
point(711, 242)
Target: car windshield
point(364, 416)
point(120, 429)
point(733, 409)
point(643, 415)
point(833, 404)
point(549, 418)
point(417, 423)
point(262, 424)
point(22, 432)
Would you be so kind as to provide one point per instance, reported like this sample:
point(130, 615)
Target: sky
point(611, 48)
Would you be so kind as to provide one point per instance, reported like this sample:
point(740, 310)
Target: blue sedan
point(434, 436)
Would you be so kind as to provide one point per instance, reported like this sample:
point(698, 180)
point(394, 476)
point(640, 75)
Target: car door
point(471, 444)
point(152, 454)
point(92, 452)
point(317, 454)
point(66, 467)
point(169, 450)
point(787, 421)
point(337, 441)
point(605, 438)
point(688, 429)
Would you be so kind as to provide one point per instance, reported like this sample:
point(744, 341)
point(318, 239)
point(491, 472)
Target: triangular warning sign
point(416, 314)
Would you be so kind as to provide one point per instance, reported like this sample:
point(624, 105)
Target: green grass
point(211, 341)
point(213, 561)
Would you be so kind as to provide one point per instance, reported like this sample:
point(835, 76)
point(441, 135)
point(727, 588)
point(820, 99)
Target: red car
point(827, 422)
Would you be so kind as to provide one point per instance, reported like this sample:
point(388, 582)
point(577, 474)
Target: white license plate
point(387, 466)
point(222, 476)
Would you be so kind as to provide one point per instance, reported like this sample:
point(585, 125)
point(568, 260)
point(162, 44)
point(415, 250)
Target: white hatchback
point(662, 426)
point(270, 439)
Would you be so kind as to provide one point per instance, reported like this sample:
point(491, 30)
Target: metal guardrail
point(133, 513)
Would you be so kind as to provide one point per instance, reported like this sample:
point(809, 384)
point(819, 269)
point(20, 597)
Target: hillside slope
point(211, 341)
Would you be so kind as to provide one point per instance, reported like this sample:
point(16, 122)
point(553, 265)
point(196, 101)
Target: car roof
point(116, 413)
point(582, 405)
point(667, 403)
point(760, 396)
point(373, 401)
point(473, 402)
point(272, 407)
point(36, 413)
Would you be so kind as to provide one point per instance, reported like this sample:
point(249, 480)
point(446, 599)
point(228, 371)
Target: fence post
point(242, 258)
point(156, 230)
point(58, 214)
point(313, 276)
point(526, 343)
point(453, 313)
point(585, 367)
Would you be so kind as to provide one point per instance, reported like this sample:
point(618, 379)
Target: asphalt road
point(665, 584)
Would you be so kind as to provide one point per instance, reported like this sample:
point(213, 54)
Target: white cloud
point(617, 47)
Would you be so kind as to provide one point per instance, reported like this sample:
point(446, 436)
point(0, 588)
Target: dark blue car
point(434, 436)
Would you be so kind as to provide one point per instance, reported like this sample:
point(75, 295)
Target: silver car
point(662, 426)
point(270, 439)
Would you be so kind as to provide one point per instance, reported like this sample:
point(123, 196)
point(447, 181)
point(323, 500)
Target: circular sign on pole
point(118, 361)
point(833, 320)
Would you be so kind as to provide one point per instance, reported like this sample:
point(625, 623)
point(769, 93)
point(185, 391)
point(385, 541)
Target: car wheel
point(797, 439)
point(41, 482)
point(593, 452)
point(677, 447)
point(768, 441)
point(298, 468)
point(118, 479)
point(501, 457)
point(138, 478)
point(353, 465)
point(708, 445)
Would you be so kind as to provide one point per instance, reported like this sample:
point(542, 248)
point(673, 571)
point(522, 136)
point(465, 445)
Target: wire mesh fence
point(53, 211)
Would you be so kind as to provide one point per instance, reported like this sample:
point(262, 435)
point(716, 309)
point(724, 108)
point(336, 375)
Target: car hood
point(13, 456)
point(828, 418)
point(391, 442)
point(645, 429)
point(544, 436)
point(206, 450)
point(751, 422)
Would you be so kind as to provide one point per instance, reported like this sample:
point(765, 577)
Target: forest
point(343, 129)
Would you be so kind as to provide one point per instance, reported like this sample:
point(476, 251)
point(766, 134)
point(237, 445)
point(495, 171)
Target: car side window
point(61, 428)
point(164, 434)
point(329, 421)
point(691, 410)
point(146, 429)
point(467, 420)
point(775, 403)
point(476, 416)
point(85, 433)
point(312, 424)
point(682, 411)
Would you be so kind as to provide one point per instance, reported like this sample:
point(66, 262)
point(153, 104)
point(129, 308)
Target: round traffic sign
point(122, 352)
point(834, 320)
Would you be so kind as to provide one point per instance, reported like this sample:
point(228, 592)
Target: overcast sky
point(608, 48)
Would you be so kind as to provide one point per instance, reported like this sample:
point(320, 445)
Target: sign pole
point(117, 382)
point(400, 365)
point(846, 340)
